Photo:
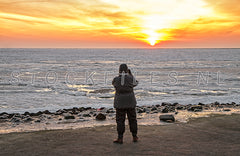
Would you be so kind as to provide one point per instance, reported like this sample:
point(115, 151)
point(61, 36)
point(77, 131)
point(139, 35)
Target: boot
point(135, 139)
point(118, 141)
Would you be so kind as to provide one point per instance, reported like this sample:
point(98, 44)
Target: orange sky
point(120, 23)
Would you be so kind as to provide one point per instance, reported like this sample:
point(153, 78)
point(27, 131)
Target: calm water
point(40, 79)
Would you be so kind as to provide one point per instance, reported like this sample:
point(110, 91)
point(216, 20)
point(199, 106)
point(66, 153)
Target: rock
point(101, 116)
point(147, 110)
point(216, 103)
point(15, 119)
point(60, 112)
point(47, 112)
point(220, 106)
point(154, 112)
point(192, 108)
point(36, 114)
point(179, 107)
point(4, 116)
point(38, 120)
point(28, 119)
point(157, 105)
point(102, 108)
point(153, 109)
point(167, 118)
point(26, 113)
point(17, 115)
point(166, 104)
point(86, 115)
point(171, 108)
point(81, 109)
point(197, 110)
point(165, 110)
point(3, 113)
point(175, 104)
point(69, 117)
point(227, 110)
point(201, 104)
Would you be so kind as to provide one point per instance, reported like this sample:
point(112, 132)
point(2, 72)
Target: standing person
point(125, 102)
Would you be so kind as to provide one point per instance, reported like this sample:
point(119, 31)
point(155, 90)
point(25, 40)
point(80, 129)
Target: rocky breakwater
point(165, 111)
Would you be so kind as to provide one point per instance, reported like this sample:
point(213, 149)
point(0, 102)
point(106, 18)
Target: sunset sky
point(119, 23)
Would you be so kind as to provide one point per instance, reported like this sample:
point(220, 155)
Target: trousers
point(120, 119)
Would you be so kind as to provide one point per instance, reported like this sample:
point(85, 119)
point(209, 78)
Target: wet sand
point(216, 135)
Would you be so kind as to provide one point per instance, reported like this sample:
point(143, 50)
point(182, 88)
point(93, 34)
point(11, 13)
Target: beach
point(215, 135)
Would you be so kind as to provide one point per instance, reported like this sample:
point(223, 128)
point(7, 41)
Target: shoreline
point(215, 135)
point(91, 117)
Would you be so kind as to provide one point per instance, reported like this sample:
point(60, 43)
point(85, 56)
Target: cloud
point(230, 7)
point(69, 17)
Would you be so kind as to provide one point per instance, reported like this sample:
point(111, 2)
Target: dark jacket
point(124, 95)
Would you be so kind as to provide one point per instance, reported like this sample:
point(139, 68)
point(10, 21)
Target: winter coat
point(124, 95)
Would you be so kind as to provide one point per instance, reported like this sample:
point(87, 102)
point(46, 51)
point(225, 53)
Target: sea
point(50, 79)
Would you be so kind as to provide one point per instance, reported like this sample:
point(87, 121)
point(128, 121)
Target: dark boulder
point(201, 104)
point(38, 120)
point(153, 109)
point(87, 108)
point(4, 116)
point(86, 115)
point(102, 108)
point(28, 119)
point(154, 112)
point(167, 118)
point(47, 112)
point(166, 104)
point(26, 113)
point(69, 117)
point(3, 113)
point(81, 109)
point(36, 114)
point(195, 107)
point(100, 116)
point(227, 110)
point(147, 110)
point(165, 110)
point(197, 110)
point(60, 112)
point(175, 104)
point(15, 119)
point(179, 107)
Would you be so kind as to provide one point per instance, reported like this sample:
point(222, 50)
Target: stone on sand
point(167, 118)
point(100, 116)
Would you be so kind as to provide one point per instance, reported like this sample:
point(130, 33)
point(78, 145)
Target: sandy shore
point(216, 135)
